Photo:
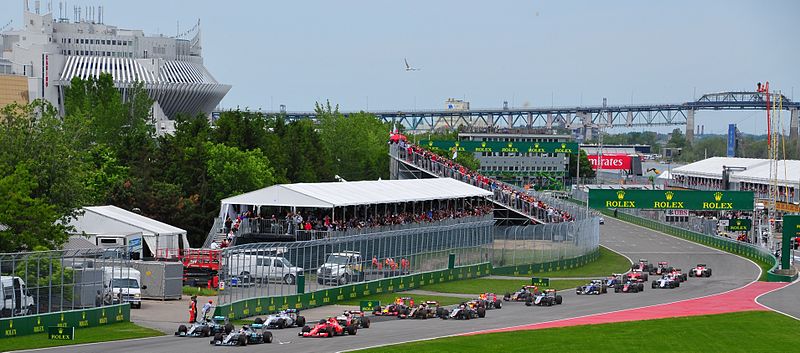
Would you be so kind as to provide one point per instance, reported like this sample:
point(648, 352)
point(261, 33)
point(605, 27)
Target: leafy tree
point(28, 221)
point(245, 130)
point(677, 139)
point(308, 157)
point(586, 166)
point(357, 144)
point(232, 171)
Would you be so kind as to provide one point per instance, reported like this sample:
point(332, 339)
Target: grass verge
point(113, 332)
point(498, 286)
point(199, 291)
point(609, 262)
point(754, 331)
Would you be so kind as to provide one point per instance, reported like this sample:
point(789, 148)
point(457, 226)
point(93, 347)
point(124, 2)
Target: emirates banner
point(611, 161)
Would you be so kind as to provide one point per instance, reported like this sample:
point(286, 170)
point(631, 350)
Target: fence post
point(301, 283)
point(451, 261)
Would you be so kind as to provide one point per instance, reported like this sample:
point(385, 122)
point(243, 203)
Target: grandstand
point(307, 211)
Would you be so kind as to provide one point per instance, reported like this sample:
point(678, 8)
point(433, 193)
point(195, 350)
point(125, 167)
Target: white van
point(124, 283)
point(263, 268)
point(16, 299)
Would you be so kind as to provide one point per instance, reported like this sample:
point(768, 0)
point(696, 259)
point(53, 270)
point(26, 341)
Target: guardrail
point(33, 324)
point(265, 305)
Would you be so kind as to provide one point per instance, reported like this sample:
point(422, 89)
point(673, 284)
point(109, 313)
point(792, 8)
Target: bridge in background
point(611, 116)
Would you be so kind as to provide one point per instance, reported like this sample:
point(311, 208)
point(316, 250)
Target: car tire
point(617, 289)
point(708, 273)
point(345, 279)
point(365, 322)
point(182, 329)
point(528, 302)
point(498, 304)
point(258, 320)
point(559, 299)
point(241, 340)
point(206, 331)
point(306, 329)
point(691, 273)
point(281, 324)
point(288, 279)
point(228, 328)
point(481, 312)
point(352, 330)
point(267, 337)
point(329, 331)
point(635, 289)
point(301, 321)
point(217, 337)
point(654, 284)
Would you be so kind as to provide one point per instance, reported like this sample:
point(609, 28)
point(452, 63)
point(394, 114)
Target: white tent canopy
point(340, 194)
point(114, 221)
point(712, 167)
point(788, 172)
point(665, 175)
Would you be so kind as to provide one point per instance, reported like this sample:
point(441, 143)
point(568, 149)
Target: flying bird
point(408, 67)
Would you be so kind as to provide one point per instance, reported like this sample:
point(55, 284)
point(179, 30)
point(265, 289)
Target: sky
point(529, 53)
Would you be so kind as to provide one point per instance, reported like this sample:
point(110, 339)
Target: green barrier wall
point(266, 305)
point(543, 268)
point(745, 250)
point(30, 324)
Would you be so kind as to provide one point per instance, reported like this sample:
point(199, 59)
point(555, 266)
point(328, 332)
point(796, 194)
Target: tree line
point(103, 150)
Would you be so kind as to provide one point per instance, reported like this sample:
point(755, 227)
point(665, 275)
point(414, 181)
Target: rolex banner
point(672, 199)
point(502, 146)
point(739, 225)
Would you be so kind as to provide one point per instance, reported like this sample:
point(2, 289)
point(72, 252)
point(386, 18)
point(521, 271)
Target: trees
point(357, 145)
point(233, 171)
point(586, 166)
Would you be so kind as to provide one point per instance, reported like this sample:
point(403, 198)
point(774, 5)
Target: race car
point(466, 311)
point(205, 328)
point(253, 334)
point(427, 310)
point(353, 317)
point(547, 298)
point(615, 279)
point(701, 271)
point(521, 295)
point(662, 268)
point(629, 286)
point(636, 275)
point(328, 328)
point(401, 307)
point(678, 275)
point(665, 282)
point(489, 301)
point(283, 319)
point(596, 286)
point(642, 265)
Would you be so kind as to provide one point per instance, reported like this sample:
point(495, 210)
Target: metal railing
point(52, 281)
point(540, 243)
point(274, 269)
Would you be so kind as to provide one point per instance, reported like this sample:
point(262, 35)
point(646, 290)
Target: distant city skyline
point(529, 53)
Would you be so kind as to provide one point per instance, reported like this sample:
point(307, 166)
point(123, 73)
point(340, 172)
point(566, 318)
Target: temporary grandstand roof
point(788, 170)
point(338, 194)
point(712, 167)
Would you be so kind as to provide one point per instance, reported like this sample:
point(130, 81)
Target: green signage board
point(540, 281)
point(739, 225)
point(369, 305)
point(721, 200)
point(58, 333)
point(502, 146)
point(791, 229)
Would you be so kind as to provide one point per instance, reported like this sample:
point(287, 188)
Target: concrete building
point(539, 168)
point(49, 52)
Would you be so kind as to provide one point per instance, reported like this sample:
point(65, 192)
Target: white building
point(50, 52)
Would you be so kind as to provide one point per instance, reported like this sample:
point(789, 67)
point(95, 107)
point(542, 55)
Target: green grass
point(390, 297)
point(199, 291)
point(498, 286)
point(750, 331)
point(609, 262)
point(113, 332)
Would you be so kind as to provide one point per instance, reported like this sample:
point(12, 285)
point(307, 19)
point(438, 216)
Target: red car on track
point(637, 275)
point(701, 270)
point(328, 328)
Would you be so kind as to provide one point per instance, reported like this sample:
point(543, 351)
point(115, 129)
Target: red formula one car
point(637, 275)
point(401, 307)
point(328, 328)
point(489, 301)
point(677, 274)
point(642, 265)
point(701, 270)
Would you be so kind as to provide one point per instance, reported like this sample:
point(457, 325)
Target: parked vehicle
point(341, 268)
point(262, 268)
point(16, 299)
point(123, 285)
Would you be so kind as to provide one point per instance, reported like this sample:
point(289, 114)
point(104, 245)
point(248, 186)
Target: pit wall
point(544, 268)
point(266, 305)
point(84, 318)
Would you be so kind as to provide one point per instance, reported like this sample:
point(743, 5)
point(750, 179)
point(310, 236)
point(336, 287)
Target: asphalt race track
point(784, 300)
point(730, 272)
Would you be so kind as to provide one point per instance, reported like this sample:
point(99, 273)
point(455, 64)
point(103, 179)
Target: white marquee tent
point(340, 194)
point(111, 221)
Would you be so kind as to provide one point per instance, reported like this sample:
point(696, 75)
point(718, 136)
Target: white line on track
point(776, 310)
point(88, 344)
